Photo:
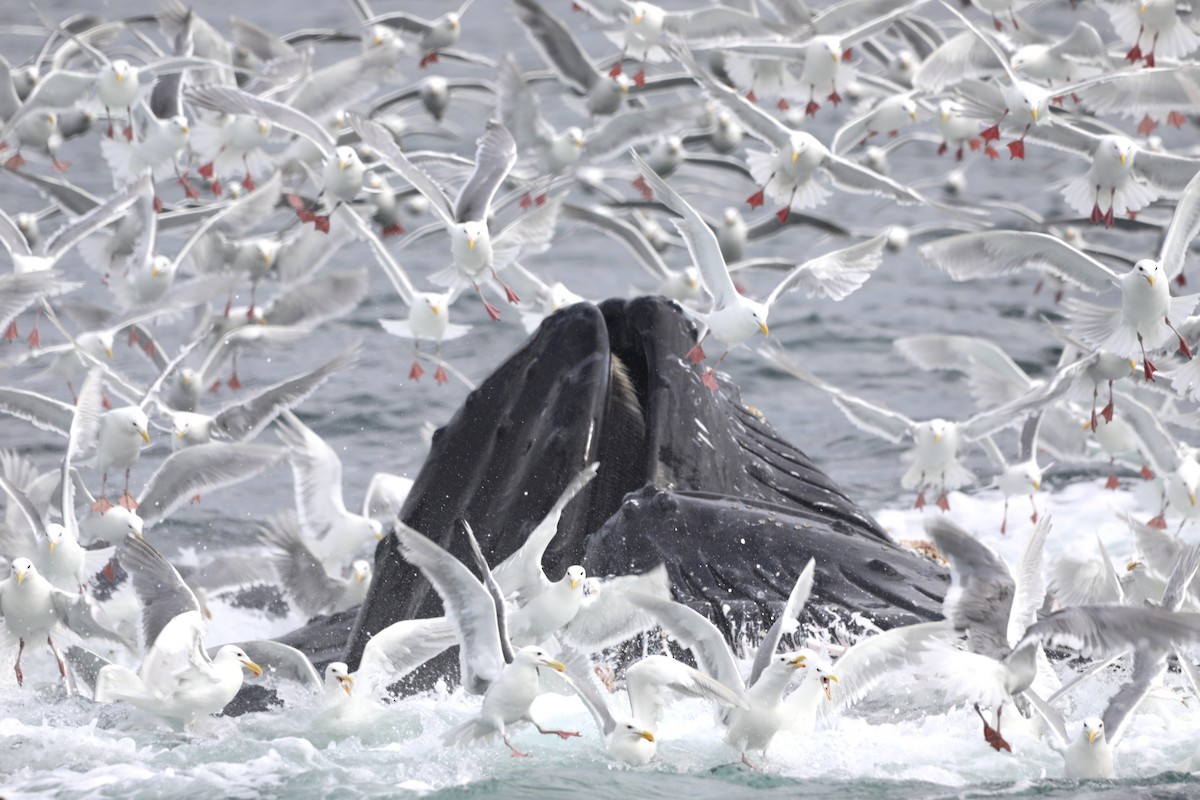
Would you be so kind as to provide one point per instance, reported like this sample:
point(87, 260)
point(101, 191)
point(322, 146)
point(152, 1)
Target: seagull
point(936, 442)
point(1090, 755)
point(631, 739)
point(428, 312)
point(119, 440)
point(333, 532)
point(542, 606)
point(471, 244)
point(304, 577)
point(1023, 477)
point(435, 35)
point(177, 679)
point(734, 318)
point(754, 725)
point(1003, 661)
point(1144, 319)
point(789, 173)
point(507, 678)
point(342, 175)
point(33, 607)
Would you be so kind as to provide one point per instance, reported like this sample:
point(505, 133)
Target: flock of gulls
point(238, 163)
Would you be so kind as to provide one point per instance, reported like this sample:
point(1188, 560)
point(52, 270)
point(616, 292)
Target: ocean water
point(902, 745)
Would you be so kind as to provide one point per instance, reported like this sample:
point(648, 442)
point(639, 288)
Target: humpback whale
point(689, 477)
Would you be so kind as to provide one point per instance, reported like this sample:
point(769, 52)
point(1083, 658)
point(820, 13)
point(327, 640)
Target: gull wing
point(834, 275)
point(521, 573)
point(495, 154)
point(980, 598)
point(891, 425)
point(200, 469)
point(988, 254)
point(400, 648)
point(648, 680)
point(694, 631)
point(786, 622)
point(701, 241)
point(606, 617)
point(468, 605)
point(245, 419)
point(318, 474)
point(161, 592)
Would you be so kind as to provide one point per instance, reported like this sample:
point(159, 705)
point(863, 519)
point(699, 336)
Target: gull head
point(948, 109)
point(132, 419)
point(1117, 148)
point(634, 732)
point(473, 232)
point(376, 528)
point(337, 675)
point(381, 35)
point(575, 576)
point(162, 267)
point(536, 656)
point(54, 535)
point(1148, 270)
point(790, 661)
point(826, 678)
point(575, 136)
point(346, 157)
point(21, 569)
point(910, 107)
point(1093, 729)
point(758, 312)
point(98, 345)
point(121, 70)
point(237, 653)
point(733, 217)
point(361, 570)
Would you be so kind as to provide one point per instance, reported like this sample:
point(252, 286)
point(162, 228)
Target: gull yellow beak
point(799, 661)
point(341, 164)
point(579, 141)
point(1132, 365)
point(436, 310)
point(358, 576)
point(454, 24)
point(263, 128)
point(1037, 486)
point(1192, 499)
point(913, 116)
point(1150, 279)
point(795, 155)
point(120, 77)
point(108, 352)
point(252, 667)
point(146, 436)
point(575, 583)
point(267, 259)
point(1033, 113)
point(637, 19)
point(262, 320)
point(378, 40)
point(647, 735)
point(52, 546)
point(154, 272)
point(378, 537)
point(20, 578)
point(1092, 736)
point(185, 129)
point(1131, 566)
point(937, 437)
point(1122, 159)
point(945, 117)
point(762, 326)
point(557, 666)
point(178, 434)
point(347, 684)
point(1141, 9)
point(825, 685)
point(470, 244)
point(186, 380)
point(837, 57)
